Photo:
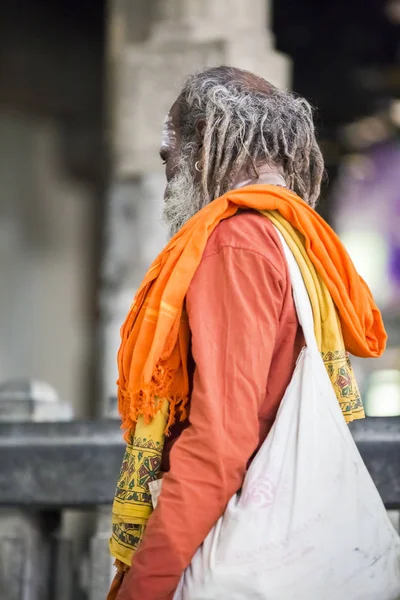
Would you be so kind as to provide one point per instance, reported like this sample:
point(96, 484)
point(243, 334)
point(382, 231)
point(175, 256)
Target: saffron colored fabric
point(152, 359)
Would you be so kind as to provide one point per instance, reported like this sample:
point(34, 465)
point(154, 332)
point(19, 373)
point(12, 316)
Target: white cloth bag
point(309, 523)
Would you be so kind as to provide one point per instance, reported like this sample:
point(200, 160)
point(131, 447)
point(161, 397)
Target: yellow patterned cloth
point(327, 327)
point(132, 502)
point(141, 464)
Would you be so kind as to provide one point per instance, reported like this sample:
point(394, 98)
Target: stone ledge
point(76, 464)
point(54, 465)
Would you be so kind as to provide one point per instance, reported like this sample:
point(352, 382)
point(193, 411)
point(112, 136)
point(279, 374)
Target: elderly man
point(210, 344)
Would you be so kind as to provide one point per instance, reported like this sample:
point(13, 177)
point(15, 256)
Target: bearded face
point(183, 197)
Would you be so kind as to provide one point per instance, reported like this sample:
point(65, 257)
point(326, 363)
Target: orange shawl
point(152, 359)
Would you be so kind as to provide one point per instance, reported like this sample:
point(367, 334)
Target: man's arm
point(234, 304)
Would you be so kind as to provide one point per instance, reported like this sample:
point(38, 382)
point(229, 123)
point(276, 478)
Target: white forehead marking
point(168, 134)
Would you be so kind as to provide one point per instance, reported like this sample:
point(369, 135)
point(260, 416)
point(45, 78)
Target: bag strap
point(300, 296)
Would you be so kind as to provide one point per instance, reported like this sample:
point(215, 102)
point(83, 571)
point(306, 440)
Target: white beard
point(183, 198)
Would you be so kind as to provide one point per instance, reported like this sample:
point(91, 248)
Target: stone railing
point(48, 468)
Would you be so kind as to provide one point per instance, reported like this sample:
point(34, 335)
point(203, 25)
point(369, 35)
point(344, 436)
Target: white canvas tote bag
point(309, 523)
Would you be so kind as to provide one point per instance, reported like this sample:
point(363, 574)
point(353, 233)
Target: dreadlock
point(247, 122)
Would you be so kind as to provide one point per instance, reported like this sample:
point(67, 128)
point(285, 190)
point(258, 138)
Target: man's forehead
point(172, 118)
point(168, 132)
point(170, 135)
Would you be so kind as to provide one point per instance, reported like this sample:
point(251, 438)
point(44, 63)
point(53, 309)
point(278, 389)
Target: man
point(223, 281)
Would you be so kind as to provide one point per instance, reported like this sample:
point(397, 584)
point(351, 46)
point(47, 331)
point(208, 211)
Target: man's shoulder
point(247, 230)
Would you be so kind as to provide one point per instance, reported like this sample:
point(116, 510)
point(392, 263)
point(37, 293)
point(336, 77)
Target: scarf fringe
point(148, 400)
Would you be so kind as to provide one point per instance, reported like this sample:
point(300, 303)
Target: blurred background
point(84, 88)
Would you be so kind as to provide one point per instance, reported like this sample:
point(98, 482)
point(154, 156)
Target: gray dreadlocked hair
point(247, 122)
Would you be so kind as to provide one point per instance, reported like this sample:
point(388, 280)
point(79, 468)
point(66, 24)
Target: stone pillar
point(145, 73)
point(144, 79)
point(24, 557)
point(133, 237)
point(101, 562)
point(29, 540)
point(186, 35)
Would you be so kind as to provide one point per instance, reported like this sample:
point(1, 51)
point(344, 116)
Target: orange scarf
point(152, 358)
